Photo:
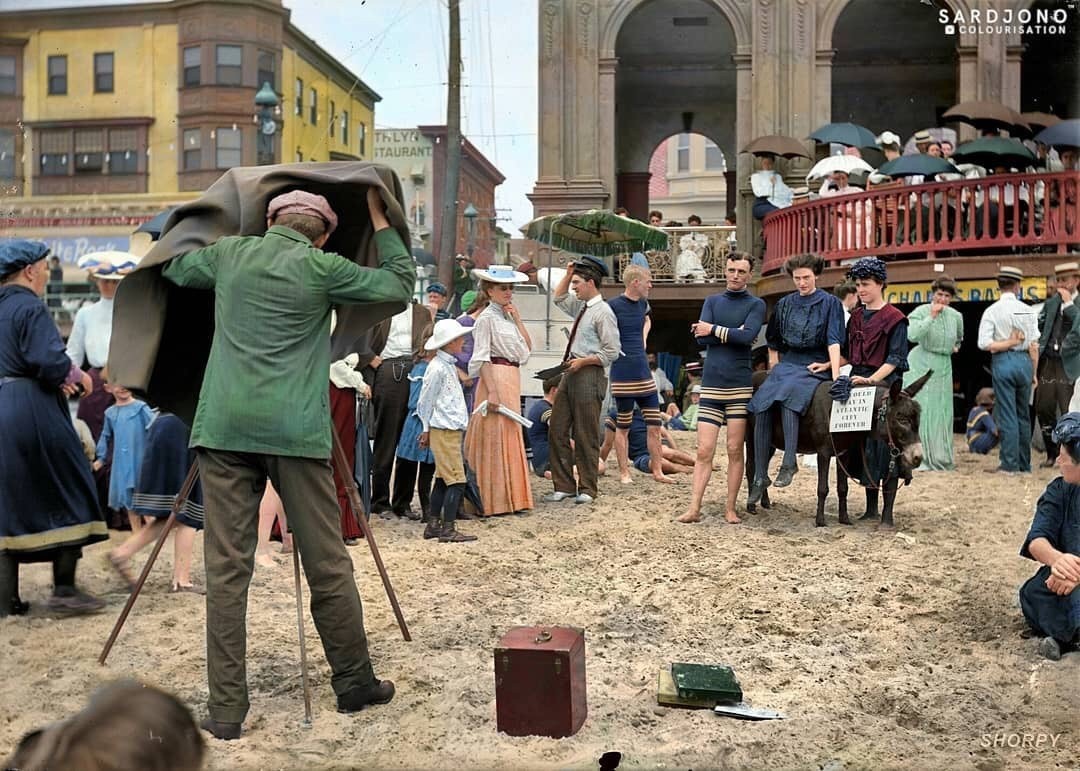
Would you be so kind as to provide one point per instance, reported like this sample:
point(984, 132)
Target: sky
point(399, 49)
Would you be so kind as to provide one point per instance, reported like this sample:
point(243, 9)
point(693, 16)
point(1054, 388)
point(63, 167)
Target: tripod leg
point(345, 473)
point(181, 498)
point(300, 630)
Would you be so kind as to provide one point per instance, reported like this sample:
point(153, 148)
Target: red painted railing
point(895, 221)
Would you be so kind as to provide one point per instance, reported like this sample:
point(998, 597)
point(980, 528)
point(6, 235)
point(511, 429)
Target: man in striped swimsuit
point(729, 323)
point(631, 381)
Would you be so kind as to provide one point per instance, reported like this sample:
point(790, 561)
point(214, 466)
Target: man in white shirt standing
point(1008, 330)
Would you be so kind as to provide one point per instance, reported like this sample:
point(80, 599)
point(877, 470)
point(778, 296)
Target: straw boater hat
point(500, 274)
point(111, 266)
point(446, 331)
point(923, 136)
point(1066, 268)
point(1010, 273)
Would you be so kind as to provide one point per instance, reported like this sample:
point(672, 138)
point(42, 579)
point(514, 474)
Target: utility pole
point(448, 226)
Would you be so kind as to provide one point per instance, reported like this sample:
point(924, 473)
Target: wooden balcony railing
point(995, 214)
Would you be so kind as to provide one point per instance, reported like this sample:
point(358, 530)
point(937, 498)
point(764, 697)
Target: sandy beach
point(885, 650)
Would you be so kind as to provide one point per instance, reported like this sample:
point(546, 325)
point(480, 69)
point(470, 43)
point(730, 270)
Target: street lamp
point(470, 214)
point(269, 109)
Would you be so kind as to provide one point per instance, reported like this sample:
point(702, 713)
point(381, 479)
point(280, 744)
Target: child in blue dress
point(125, 429)
point(415, 464)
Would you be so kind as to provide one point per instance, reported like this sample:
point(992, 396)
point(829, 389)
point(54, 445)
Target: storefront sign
point(976, 290)
point(69, 250)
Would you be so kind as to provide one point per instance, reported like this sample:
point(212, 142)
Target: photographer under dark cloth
point(263, 411)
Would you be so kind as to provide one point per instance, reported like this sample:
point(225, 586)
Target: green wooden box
point(706, 681)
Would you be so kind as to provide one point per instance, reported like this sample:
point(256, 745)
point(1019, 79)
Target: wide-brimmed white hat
point(500, 274)
point(446, 331)
point(111, 266)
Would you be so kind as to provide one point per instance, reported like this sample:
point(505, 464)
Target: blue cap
point(17, 253)
point(595, 264)
point(639, 259)
point(435, 286)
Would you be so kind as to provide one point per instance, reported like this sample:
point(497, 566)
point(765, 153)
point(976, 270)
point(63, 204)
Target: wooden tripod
point(354, 503)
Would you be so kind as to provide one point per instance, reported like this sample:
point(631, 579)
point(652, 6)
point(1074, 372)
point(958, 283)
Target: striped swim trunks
point(719, 405)
point(641, 393)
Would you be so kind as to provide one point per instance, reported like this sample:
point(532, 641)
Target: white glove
point(343, 374)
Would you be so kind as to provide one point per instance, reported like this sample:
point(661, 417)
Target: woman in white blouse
point(494, 446)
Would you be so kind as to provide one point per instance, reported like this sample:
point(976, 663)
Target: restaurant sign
point(69, 250)
point(975, 290)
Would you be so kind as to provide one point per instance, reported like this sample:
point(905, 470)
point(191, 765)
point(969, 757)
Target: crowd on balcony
point(965, 195)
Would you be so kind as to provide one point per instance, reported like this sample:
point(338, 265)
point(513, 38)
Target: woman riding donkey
point(804, 335)
point(877, 349)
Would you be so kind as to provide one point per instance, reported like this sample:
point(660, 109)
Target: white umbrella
point(835, 163)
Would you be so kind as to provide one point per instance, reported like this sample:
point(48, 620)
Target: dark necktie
point(573, 332)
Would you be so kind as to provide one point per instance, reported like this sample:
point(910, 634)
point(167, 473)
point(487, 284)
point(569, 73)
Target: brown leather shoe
point(380, 692)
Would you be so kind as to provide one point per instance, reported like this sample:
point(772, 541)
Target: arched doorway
point(675, 76)
point(895, 67)
point(1057, 54)
point(688, 175)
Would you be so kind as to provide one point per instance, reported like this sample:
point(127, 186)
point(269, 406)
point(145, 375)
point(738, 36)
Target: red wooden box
point(540, 681)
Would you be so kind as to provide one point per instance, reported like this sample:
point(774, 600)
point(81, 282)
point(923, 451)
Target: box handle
point(543, 637)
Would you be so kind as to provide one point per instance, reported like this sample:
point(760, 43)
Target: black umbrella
point(991, 152)
point(423, 256)
point(1063, 134)
point(364, 460)
point(155, 225)
point(910, 165)
point(850, 134)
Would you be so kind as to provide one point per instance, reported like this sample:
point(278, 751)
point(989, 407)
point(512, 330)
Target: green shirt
point(266, 386)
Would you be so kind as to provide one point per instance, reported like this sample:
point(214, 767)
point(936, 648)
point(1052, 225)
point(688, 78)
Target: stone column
point(606, 121)
point(742, 202)
point(569, 136)
point(633, 193)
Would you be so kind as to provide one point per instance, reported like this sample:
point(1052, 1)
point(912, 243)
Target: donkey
point(896, 422)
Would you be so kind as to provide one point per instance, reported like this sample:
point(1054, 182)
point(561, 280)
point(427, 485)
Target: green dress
point(936, 338)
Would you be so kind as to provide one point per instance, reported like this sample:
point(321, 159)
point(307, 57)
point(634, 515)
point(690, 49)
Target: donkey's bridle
point(894, 451)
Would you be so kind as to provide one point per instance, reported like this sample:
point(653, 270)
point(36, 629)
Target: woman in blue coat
point(804, 335)
point(48, 502)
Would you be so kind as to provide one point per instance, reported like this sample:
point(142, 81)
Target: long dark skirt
point(47, 495)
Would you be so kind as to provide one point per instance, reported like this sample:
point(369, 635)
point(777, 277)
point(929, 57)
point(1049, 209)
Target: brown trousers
point(576, 415)
point(233, 485)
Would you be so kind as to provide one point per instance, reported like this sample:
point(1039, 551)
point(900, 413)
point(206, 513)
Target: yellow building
point(110, 114)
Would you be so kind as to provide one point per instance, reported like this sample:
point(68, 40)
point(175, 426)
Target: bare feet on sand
point(264, 559)
point(665, 479)
point(625, 479)
point(732, 518)
point(689, 517)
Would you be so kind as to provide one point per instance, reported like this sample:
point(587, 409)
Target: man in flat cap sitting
point(263, 412)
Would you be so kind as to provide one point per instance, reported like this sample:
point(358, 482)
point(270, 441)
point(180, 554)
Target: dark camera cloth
point(165, 331)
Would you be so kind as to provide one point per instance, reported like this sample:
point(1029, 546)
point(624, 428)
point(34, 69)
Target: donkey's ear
point(917, 386)
point(894, 390)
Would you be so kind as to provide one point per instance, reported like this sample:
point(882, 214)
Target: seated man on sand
point(674, 461)
point(1050, 600)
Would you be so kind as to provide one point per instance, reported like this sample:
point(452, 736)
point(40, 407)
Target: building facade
point(418, 155)
point(109, 114)
point(617, 77)
point(688, 175)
